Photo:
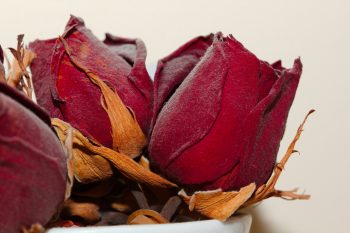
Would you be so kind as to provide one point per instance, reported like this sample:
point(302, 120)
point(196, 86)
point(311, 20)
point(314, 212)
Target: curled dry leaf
point(23, 59)
point(87, 166)
point(88, 212)
point(127, 135)
point(268, 190)
point(216, 203)
point(144, 162)
point(146, 216)
point(93, 152)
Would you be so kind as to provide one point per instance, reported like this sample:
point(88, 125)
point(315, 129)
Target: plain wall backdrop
point(317, 31)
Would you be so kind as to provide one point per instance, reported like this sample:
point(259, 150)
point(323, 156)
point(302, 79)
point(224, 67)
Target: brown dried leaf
point(125, 165)
point(35, 228)
point(268, 190)
point(142, 219)
point(144, 162)
point(88, 212)
point(145, 216)
point(87, 166)
point(127, 135)
point(216, 203)
point(2, 72)
point(23, 59)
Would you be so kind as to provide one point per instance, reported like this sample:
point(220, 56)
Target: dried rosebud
point(66, 92)
point(219, 114)
point(33, 166)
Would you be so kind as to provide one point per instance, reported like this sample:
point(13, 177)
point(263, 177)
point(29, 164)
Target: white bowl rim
point(242, 219)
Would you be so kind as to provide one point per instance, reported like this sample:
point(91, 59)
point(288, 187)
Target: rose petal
point(262, 132)
point(173, 69)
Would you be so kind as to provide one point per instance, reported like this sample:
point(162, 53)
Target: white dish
point(237, 224)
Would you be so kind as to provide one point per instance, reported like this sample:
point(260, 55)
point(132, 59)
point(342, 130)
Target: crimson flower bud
point(66, 92)
point(33, 169)
point(219, 114)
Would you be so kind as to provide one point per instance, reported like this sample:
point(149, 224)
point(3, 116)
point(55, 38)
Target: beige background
point(318, 31)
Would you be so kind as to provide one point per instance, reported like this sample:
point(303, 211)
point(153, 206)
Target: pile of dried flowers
point(108, 146)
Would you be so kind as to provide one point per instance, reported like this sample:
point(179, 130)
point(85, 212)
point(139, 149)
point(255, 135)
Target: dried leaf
point(127, 166)
point(216, 203)
point(23, 59)
point(88, 212)
point(127, 135)
point(145, 216)
point(35, 228)
point(144, 162)
point(87, 166)
point(142, 219)
point(2, 73)
point(268, 190)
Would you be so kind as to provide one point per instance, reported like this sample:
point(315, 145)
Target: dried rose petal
point(219, 125)
point(32, 164)
point(66, 91)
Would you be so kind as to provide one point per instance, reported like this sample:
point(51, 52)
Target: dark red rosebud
point(66, 91)
point(33, 169)
point(219, 114)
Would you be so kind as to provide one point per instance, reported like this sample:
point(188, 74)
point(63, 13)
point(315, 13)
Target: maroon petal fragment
point(44, 84)
point(268, 76)
point(173, 69)
point(32, 164)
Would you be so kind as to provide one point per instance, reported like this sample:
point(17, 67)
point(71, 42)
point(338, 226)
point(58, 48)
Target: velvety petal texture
point(33, 169)
point(66, 91)
point(219, 121)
